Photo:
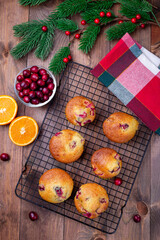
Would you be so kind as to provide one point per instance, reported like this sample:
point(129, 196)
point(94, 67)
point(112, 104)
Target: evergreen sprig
point(64, 24)
point(117, 31)
point(57, 65)
point(138, 5)
point(100, 4)
point(31, 2)
point(92, 14)
point(89, 37)
point(145, 16)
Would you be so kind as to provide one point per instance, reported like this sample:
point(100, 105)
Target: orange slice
point(8, 109)
point(23, 130)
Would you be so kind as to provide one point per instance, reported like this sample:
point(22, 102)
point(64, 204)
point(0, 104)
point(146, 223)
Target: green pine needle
point(89, 37)
point(57, 65)
point(99, 5)
point(138, 5)
point(132, 13)
point(64, 24)
point(91, 15)
point(117, 31)
point(31, 2)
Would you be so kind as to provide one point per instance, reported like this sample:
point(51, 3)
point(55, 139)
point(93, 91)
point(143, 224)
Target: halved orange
point(8, 109)
point(23, 130)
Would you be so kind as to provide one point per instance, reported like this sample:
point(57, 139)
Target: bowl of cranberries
point(35, 86)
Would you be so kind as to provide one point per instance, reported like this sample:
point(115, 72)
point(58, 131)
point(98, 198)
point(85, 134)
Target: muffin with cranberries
point(80, 111)
point(120, 127)
point(55, 185)
point(106, 163)
point(67, 146)
point(91, 200)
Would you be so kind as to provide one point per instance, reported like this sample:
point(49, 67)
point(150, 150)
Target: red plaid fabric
point(132, 73)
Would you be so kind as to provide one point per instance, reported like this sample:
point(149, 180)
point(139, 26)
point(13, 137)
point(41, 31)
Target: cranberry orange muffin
point(55, 185)
point(106, 163)
point(80, 111)
point(91, 200)
point(67, 146)
point(120, 127)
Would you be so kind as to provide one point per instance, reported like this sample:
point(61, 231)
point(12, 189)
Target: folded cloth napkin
point(132, 74)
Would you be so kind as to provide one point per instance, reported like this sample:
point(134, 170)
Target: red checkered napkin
point(132, 74)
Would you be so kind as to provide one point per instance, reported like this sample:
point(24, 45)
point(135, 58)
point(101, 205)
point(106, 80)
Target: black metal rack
point(77, 80)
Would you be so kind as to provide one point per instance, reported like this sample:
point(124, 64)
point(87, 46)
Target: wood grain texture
point(14, 221)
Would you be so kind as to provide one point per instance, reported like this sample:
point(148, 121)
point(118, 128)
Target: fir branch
point(91, 15)
point(117, 31)
point(64, 24)
point(138, 5)
point(89, 37)
point(31, 2)
point(99, 5)
point(132, 13)
point(57, 65)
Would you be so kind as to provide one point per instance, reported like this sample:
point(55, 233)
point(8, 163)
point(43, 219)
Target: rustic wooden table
point(14, 221)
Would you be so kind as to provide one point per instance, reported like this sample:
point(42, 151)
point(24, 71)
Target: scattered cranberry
point(142, 25)
point(50, 86)
point(83, 22)
point(26, 92)
point(45, 77)
point(26, 99)
point(24, 84)
point(45, 90)
point(40, 82)
point(108, 14)
point(137, 218)
point(33, 86)
point(45, 97)
point(28, 80)
point(77, 35)
point(39, 94)
point(34, 69)
point(117, 181)
point(4, 157)
point(18, 87)
point(34, 77)
point(121, 21)
point(42, 71)
point(67, 33)
point(133, 20)
point(50, 80)
point(20, 78)
point(32, 94)
point(97, 20)
point(33, 216)
point(138, 16)
point(65, 60)
point(21, 94)
point(70, 57)
point(102, 14)
point(26, 73)
point(44, 28)
point(35, 101)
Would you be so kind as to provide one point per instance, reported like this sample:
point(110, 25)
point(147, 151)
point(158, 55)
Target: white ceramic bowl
point(40, 104)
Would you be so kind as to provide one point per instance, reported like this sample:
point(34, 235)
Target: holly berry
point(117, 181)
point(138, 16)
point(121, 21)
point(142, 25)
point(108, 14)
point(44, 28)
point(97, 20)
point(4, 157)
point(77, 36)
point(65, 60)
point(33, 216)
point(83, 22)
point(137, 218)
point(102, 14)
point(133, 20)
point(67, 33)
point(69, 57)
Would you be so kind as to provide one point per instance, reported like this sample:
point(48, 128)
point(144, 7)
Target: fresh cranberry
point(40, 89)
point(97, 20)
point(45, 97)
point(102, 14)
point(26, 73)
point(69, 57)
point(65, 60)
point(20, 78)
point(83, 22)
point(117, 181)
point(137, 218)
point(50, 80)
point(121, 21)
point(45, 90)
point(4, 157)
point(18, 87)
point(24, 84)
point(142, 25)
point(45, 77)
point(21, 94)
point(26, 99)
point(42, 71)
point(35, 101)
point(44, 28)
point(39, 94)
point(50, 93)
point(40, 82)
point(28, 80)
point(33, 216)
point(34, 69)
point(26, 91)
point(138, 16)
point(133, 20)
point(34, 77)
point(50, 86)
point(108, 14)
point(32, 94)
point(33, 86)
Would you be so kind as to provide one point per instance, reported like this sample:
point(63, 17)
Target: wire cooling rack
point(77, 80)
